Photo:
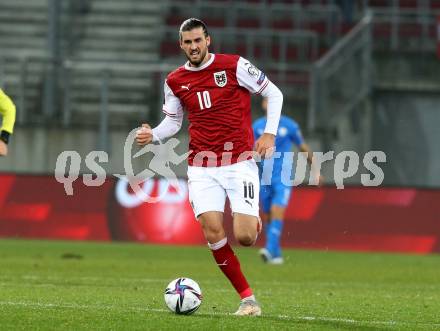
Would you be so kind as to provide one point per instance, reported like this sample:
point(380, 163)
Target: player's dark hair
point(193, 23)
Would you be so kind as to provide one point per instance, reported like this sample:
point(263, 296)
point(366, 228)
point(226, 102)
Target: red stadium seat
point(321, 52)
point(382, 29)
point(346, 27)
point(435, 4)
point(319, 27)
point(242, 50)
point(174, 20)
point(168, 48)
point(276, 55)
point(259, 51)
point(432, 31)
point(410, 30)
point(249, 23)
point(408, 3)
point(282, 24)
point(378, 3)
point(292, 53)
point(217, 22)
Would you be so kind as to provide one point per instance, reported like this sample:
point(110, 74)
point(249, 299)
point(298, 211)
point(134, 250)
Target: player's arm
point(256, 82)
point(297, 138)
point(274, 106)
point(169, 126)
point(7, 110)
point(305, 148)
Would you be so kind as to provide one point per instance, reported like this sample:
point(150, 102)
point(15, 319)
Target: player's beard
point(200, 60)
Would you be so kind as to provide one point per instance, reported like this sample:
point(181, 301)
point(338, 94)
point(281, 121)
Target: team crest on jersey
point(220, 78)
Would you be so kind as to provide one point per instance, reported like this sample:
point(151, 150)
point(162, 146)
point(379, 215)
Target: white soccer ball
point(183, 296)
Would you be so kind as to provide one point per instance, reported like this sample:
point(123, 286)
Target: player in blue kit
point(274, 194)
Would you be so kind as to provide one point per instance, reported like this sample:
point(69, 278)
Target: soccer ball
point(183, 296)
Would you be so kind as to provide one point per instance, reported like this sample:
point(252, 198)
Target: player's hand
point(320, 180)
point(3, 148)
point(144, 135)
point(264, 146)
point(316, 177)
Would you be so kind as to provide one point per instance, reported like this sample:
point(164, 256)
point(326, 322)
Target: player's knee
point(246, 239)
point(214, 234)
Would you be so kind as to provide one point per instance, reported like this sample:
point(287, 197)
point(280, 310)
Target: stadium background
point(356, 75)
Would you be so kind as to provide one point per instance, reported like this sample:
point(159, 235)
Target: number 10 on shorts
point(248, 189)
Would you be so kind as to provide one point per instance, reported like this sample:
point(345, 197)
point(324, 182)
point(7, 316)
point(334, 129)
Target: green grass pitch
point(48, 285)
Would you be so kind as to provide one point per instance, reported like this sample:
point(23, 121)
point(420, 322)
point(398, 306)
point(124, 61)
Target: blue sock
point(273, 237)
point(266, 229)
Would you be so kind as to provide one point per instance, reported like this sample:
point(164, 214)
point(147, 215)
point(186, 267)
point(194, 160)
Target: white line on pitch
point(157, 310)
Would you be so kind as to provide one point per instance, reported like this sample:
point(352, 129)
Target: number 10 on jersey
point(204, 99)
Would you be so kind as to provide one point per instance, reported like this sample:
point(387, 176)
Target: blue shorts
point(275, 194)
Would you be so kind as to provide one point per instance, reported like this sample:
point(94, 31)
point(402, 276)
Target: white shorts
point(209, 186)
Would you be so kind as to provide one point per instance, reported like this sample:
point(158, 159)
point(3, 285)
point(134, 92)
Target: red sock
point(229, 264)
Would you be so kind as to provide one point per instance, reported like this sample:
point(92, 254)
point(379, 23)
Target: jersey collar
point(205, 65)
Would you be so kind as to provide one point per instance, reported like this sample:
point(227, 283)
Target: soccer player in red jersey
point(214, 90)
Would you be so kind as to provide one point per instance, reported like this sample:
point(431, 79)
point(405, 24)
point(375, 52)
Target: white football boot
point(248, 308)
point(265, 255)
point(276, 260)
point(268, 258)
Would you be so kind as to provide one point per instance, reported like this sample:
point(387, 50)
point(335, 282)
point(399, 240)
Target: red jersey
point(216, 97)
